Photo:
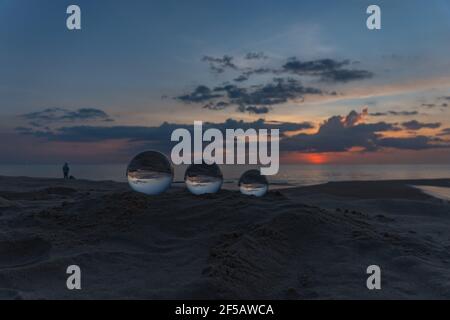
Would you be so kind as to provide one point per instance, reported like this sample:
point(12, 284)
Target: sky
point(338, 92)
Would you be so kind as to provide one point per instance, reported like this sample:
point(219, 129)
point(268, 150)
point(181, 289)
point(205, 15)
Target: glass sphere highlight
point(203, 178)
point(150, 172)
point(252, 183)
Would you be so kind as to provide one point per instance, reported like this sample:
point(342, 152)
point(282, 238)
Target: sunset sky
point(339, 92)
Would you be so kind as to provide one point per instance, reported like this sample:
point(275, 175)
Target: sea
point(289, 174)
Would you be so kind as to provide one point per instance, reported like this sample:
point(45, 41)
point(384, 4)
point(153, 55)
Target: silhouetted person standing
point(66, 170)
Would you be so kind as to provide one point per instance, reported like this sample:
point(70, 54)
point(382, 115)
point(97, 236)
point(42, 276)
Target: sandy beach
point(300, 243)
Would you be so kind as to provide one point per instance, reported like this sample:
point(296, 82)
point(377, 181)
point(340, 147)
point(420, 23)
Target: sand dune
point(303, 243)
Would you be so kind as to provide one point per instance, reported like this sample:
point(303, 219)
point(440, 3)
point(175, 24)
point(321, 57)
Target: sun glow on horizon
point(308, 158)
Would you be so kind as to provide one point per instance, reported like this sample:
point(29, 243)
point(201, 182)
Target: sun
point(316, 158)
point(307, 158)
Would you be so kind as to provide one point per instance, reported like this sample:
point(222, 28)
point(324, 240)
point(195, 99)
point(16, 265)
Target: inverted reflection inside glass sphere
point(203, 178)
point(150, 172)
point(252, 183)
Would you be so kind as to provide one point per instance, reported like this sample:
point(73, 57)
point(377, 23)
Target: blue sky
point(132, 59)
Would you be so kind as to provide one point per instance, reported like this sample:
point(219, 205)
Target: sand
point(438, 192)
point(300, 243)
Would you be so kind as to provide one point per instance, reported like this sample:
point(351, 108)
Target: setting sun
point(316, 158)
point(308, 158)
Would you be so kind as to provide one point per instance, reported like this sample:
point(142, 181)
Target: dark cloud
point(254, 109)
point(98, 133)
point(256, 56)
point(216, 105)
point(219, 65)
point(410, 143)
point(201, 94)
point(416, 125)
point(438, 103)
point(53, 115)
point(346, 75)
point(157, 136)
point(257, 71)
point(403, 113)
point(394, 113)
point(445, 132)
point(261, 124)
point(326, 69)
point(354, 117)
point(241, 78)
point(254, 99)
point(260, 98)
point(339, 134)
point(278, 91)
point(313, 67)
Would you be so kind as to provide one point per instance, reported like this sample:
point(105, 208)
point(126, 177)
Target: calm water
point(296, 175)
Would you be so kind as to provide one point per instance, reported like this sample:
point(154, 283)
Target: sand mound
point(4, 203)
point(63, 191)
point(9, 294)
point(24, 252)
point(42, 194)
point(290, 244)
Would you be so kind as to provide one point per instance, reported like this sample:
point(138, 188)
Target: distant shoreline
point(420, 188)
point(289, 176)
